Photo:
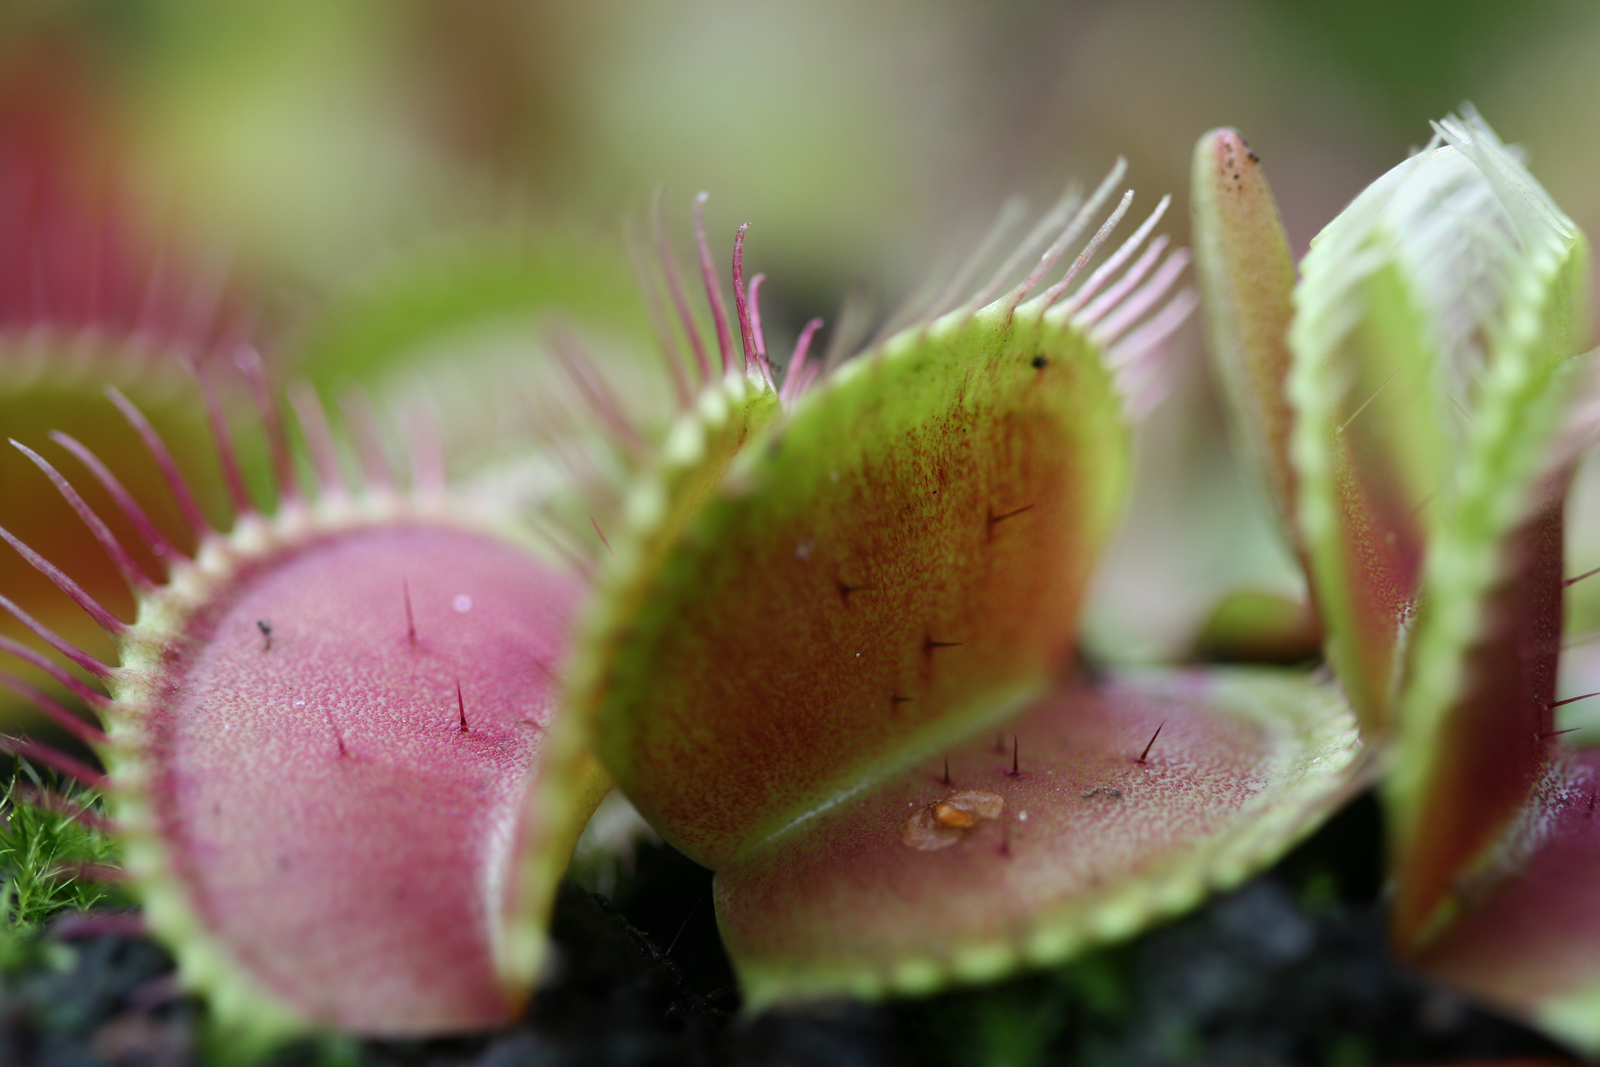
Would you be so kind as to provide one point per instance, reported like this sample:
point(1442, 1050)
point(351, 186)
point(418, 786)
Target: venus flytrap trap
point(85, 302)
point(322, 734)
point(1438, 405)
point(831, 655)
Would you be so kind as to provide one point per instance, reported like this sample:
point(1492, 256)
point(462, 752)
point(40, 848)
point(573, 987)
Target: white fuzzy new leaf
point(1479, 248)
point(1434, 389)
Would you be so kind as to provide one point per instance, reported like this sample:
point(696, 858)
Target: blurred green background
point(405, 183)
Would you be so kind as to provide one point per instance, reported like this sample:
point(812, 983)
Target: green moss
point(44, 856)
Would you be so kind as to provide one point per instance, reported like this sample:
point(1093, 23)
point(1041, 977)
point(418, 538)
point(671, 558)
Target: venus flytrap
point(1438, 405)
point(321, 735)
point(1245, 274)
point(832, 655)
point(87, 302)
point(324, 735)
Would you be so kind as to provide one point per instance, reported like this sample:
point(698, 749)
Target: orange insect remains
point(944, 822)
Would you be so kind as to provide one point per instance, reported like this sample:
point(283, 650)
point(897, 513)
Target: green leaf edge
point(697, 449)
point(1338, 263)
point(1233, 312)
point(1573, 1017)
point(1511, 427)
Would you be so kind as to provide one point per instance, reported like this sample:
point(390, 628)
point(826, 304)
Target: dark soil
point(1288, 970)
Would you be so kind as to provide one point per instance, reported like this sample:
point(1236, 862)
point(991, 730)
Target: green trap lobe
point(1257, 626)
point(901, 560)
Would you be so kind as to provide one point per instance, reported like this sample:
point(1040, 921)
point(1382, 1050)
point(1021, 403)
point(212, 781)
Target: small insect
point(1102, 791)
point(944, 822)
point(265, 626)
